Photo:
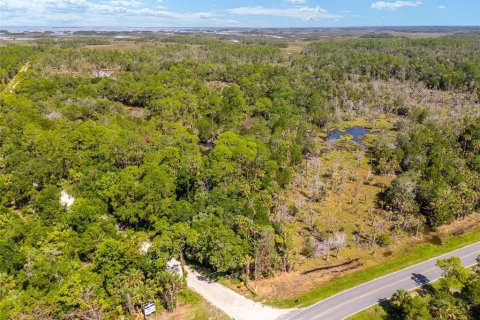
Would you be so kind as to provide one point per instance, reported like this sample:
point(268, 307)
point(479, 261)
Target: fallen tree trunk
point(335, 272)
point(330, 267)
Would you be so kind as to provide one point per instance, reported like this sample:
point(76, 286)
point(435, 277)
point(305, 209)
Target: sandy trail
point(14, 82)
point(233, 304)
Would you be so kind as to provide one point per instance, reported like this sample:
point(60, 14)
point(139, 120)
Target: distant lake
point(356, 132)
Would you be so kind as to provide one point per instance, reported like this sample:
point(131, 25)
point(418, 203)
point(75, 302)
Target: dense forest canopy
point(182, 148)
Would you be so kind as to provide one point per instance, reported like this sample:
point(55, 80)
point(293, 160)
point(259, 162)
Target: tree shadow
point(205, 278)
point(391, 312)
point(420, 279)
point(204, 273)
point(426, 289)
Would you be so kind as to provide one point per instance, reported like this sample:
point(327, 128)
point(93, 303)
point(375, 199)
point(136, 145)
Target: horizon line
point(245, 27)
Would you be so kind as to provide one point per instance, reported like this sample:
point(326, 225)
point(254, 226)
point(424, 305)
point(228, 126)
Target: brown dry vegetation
point(386, 96)
point(204, 311)
point(118, 45)
point(197, 309)
point(351, 185)
point(349, 207)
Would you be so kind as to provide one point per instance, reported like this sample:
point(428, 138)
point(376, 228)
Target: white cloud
point(441, 7)
point(304, 13)
point(296, 1)
point(112, 12)
point(380, 5)
point(125, 3)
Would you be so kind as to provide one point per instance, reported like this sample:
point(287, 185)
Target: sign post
point(149, 308)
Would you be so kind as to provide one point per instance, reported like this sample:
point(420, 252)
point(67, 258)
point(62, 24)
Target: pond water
point(356, 132)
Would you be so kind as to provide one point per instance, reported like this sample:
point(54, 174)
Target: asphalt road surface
point(363, 296)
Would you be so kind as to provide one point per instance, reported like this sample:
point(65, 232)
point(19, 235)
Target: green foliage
point(217, 245)
point(436, 178)
point(13, 57)
point(441, 300)
point(437, 62)
point(470, 142)
point(181, 150)
point(400, 300)
point(383, 240)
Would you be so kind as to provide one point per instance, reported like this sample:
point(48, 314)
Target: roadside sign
point(149, 308)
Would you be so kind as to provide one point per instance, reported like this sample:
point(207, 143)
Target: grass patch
point(192, 307)
point(420, 254)
point(372, 313)
point(383, 310)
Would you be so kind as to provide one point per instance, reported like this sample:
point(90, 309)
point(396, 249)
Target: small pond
point(356, 132)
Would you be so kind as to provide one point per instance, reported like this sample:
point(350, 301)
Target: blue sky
point(238, 13)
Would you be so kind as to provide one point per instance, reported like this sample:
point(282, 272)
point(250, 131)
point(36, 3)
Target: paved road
point(361, 297)
point(336, 307)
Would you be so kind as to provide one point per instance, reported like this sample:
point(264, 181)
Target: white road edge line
point(387, 275)
point(470, 265)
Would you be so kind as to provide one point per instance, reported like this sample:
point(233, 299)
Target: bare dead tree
point(359, 157)
point(311, 218)
point(247, 261)
point(331, 224)
point(333, 242)
point(375, 226)
point(330, 144)
point(131, 308)
point(318, 191)
point(339, 241)
point(282, 213)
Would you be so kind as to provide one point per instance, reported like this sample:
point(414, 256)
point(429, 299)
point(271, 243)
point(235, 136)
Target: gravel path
point(233, 304)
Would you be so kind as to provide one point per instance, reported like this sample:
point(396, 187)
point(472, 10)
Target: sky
point(238, 13)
